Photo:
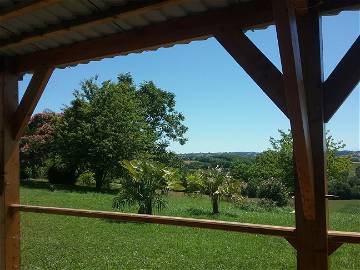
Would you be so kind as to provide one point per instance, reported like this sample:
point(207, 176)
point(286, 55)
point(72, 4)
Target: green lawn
point(59, 242)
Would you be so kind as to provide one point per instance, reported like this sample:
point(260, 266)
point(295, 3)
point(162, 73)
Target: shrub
point(87, 178)
point(272, 189)
point(60, 173)
point(357, 171)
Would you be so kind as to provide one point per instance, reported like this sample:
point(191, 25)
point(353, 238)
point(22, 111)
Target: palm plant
point(146, 184)
point(216, 183)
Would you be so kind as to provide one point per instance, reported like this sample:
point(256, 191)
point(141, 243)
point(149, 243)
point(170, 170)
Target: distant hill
point(347, 152)
point(206, 160)
point(224, 159)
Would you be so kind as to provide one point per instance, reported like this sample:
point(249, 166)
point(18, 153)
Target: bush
point(273, 190)
point(87, 178)
point(59, 173)
point(346, 188)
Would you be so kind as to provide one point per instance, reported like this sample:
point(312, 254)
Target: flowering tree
point(35, 145)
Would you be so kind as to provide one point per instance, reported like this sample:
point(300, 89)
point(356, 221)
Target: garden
point(109, 150)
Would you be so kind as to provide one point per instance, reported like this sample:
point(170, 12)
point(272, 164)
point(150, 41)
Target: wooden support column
point(9, 173)
point(299, 40)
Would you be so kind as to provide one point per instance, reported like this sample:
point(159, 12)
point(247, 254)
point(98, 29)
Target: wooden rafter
point(30, 99)
point(342, 81)
point(24, 7)
point(287, 34)
point(130, 9)
point(180, 30)
point(255, 63)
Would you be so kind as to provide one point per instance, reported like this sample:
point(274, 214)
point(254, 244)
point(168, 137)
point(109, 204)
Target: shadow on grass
point(36, 184)
point(201, 212)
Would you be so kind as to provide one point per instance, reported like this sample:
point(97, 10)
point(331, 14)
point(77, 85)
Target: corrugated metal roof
point(65, 10)
point(58, 12)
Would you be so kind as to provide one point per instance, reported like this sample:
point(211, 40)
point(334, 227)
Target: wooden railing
point(336, 238)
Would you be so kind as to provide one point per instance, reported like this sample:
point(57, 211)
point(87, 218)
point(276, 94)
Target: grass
point(59, 242)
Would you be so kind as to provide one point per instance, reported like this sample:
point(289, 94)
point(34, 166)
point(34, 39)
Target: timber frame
point(299, 91)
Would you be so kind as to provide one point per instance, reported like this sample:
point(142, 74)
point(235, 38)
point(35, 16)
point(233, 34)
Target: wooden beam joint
point(30, 99)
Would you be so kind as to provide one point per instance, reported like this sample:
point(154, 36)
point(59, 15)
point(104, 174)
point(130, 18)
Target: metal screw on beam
point(330, 196)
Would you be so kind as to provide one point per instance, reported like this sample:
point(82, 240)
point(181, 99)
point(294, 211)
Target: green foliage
point(215, 183)
point(346, 188)
point(87, 178)
point(277, 163)
point(145, 185)
point(60, 173)
point(115, 121)
point(273, 190)
point(357, 172)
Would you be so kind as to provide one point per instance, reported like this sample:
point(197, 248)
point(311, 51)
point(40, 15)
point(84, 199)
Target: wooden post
point(315, 232)
point(9, 173)
point(301, 54)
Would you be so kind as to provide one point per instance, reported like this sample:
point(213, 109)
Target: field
point(59, 242)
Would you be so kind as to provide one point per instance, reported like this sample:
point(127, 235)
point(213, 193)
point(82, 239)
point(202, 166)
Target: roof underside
point(70, 10)
point(29, 26)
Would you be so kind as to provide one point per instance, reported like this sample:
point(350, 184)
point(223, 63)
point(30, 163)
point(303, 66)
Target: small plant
point(217, 184)
point(146, 184)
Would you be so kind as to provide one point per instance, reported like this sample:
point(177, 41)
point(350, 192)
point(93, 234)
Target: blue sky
point(224, 109)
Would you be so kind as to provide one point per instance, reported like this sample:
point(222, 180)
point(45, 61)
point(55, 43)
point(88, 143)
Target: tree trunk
point(145, 208)
point(99, 179)
point(215, 204)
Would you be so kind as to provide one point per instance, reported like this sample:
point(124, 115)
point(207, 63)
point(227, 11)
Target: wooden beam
point(23, 7)
point(301, 53)
point(333, 6)
point(9, 174)
point(342, 81)
point(198, 26)
point(132, 8)
point(344, 237)
point(333, 246)
point(166, 220)
point(30, 99)
point(255, 63)
point(281, 231)
point(296, 102)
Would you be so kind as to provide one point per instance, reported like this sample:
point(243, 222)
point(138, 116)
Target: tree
point(145, 184)
point(36, 144)
point(277, 163)
point(115, 121)
point(215, 183)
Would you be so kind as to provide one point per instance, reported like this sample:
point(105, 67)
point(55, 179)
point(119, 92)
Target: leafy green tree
point(277, 163)
point(145, 184)
point(115, 121)
point(215, 183)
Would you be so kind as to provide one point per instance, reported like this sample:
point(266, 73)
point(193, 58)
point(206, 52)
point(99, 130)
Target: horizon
point(224, 109)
